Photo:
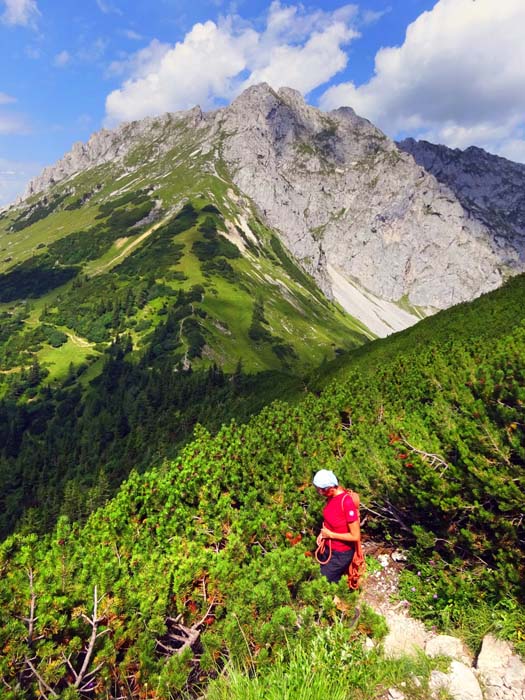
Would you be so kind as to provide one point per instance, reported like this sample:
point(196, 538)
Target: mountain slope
point(137, 299)
point(427, 425)
point(376, 231)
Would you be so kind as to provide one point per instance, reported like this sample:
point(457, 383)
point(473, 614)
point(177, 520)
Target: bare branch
point(184, 637)
point(95, 634)
point(434, 459)
point(388, 511)
point(201, 621)
point(41, 681)
point(30, 621)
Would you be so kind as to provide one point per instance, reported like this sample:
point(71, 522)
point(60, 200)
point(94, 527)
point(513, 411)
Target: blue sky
point(451, 71)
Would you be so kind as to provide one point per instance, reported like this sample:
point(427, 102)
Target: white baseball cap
point(324, 479)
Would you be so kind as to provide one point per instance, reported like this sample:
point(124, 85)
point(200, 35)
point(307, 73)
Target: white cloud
point(20, 12)
point(14, 177)
point(12, 123)
point(62, 59)
point(107, 8)
point(142, 63)
point(458, 78)
point(215, 61)
point(131, 34)
point(6, 99)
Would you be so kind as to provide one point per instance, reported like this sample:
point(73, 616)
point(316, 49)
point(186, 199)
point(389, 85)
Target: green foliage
point(221, 267)
point(431, 433)
point(82, 246)
point(33, 278)
point(37, 212)
point(332, 663)
point(257, 331)
point(159, 253)
point(213, 244)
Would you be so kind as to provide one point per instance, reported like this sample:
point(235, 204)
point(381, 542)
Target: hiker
point(336, 543)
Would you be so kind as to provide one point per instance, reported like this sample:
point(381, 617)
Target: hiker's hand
point(325, 533)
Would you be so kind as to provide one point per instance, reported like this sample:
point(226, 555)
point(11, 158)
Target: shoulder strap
point(355, 498)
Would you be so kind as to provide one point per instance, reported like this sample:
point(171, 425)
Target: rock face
point(490, 188)
point(342, 194)
point(376, 229)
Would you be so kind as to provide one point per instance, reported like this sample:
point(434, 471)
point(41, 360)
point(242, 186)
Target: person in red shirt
point(340, 528)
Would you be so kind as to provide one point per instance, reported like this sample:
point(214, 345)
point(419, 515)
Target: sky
point(449, 71)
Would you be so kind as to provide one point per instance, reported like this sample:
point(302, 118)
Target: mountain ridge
point(342, 195)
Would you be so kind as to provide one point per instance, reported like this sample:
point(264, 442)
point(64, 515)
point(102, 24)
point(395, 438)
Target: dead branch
point(433, 459)
point(181, 636)
point(388, 511)
point(94, 621)
point(41, 682)
point(30, 621)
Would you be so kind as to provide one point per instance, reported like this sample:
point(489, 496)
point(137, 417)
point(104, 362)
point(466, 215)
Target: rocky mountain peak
point(111, 145)
point(359, 213)
point(397, 230)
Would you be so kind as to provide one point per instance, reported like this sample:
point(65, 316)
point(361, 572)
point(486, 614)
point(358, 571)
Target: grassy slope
point(313, 327)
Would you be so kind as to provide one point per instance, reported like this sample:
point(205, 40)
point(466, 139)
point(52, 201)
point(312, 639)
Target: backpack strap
point(358, 565)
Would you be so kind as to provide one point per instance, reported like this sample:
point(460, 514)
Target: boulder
point(501, 671)
point(445, 645)
point(460, 682)
point(405, 636)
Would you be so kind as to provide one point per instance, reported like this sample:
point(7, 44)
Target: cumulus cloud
point(20, 12)
point(458, 78)
point(215, 61)
point(142, 63)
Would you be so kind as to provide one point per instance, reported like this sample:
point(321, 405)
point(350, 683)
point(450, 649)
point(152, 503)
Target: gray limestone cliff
point(374, 224)
point(490, 188)
point(349, 203)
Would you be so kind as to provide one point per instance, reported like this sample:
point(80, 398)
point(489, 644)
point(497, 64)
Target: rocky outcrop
point(112, 146)
point(342, 194)
point(490, 188)
point(497, 673)
point(501, 671)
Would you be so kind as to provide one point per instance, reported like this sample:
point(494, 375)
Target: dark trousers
point(338, 565)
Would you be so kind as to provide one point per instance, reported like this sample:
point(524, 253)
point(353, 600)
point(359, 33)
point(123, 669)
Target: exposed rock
point(406, 636)
point(501, 671)
point(342, 194)
point(112, 146)
point(438, 680)
point(460, 682)
point(490, 188)
point(399, 555)
point(383, 559)
point(445, 645)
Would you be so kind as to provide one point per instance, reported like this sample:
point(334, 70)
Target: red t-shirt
point(338, 513)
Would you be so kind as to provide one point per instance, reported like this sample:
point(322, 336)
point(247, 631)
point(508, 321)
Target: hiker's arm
point(353, 534)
